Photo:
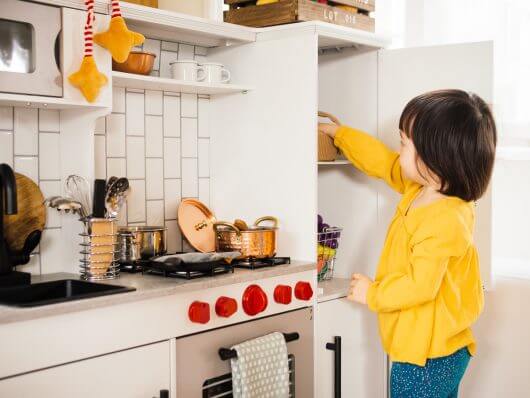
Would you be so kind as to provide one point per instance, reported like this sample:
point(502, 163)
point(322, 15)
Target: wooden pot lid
point(196, 221)
point(31, 215)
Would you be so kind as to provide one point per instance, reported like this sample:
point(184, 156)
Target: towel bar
point(227, 353)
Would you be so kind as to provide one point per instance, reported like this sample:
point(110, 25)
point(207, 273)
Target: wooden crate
point(246, 12)
point(148, 3)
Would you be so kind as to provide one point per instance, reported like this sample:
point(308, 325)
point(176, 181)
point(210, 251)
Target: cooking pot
point(141, 243)
point(258, 241)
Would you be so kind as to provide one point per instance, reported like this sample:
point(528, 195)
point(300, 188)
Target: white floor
point(502, 367)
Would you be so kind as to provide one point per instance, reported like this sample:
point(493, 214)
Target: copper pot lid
point(196, 221)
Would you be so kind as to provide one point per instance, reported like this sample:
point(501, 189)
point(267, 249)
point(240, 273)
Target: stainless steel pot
point(141, 243)
point(257, 241)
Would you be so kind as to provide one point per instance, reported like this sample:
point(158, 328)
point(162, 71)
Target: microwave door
point(28, 38)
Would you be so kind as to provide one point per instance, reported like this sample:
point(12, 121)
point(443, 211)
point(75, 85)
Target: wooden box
point(350, 13)
point(148, 3)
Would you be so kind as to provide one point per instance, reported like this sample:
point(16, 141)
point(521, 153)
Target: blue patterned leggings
point(439, 378)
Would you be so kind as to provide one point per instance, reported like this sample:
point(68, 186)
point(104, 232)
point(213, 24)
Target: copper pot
point(138, 62)
point(257, 241)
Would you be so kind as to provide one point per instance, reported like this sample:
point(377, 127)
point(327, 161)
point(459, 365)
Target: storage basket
point(327, 151)
point(328, 244)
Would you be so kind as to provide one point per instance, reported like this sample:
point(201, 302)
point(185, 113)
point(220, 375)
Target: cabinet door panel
point(137, 373)
point(363, 364)
point(405, 73)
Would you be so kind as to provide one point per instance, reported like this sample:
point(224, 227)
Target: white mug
point(215, 72)
point(188, 70)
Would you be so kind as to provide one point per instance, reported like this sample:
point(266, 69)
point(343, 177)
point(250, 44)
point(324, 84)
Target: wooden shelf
point(130, 80)
point(35, 101)
point(337, 162)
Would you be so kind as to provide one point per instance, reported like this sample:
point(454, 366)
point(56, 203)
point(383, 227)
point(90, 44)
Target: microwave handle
point(336, 347)
point(57, 49)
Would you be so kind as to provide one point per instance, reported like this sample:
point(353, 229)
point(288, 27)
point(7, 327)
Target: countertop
point(333, 289)
point(147, 287)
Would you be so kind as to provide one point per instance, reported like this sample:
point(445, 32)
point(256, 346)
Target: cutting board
point(31, 213)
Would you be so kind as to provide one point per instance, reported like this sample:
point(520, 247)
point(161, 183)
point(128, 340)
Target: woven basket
point(327, 151)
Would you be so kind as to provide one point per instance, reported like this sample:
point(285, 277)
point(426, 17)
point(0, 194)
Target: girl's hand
point(328, 129)
point(359, 288)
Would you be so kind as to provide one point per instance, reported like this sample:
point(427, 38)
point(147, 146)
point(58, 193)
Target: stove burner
point(186, 271)
point(255, 263)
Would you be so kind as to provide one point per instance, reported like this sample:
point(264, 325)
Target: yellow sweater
point(427, 290)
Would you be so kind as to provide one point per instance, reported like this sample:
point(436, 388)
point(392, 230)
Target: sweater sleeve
point(371, 156)
point(433, 244)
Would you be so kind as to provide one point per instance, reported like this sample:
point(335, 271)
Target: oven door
point(202, 373)
point(29, 49)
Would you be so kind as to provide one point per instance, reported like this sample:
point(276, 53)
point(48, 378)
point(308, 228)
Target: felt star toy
point(88, 79)
point(118, 39)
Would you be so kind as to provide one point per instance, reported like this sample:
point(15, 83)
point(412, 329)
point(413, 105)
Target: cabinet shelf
point(337, 162)
point(130, 80)
point(36, 101)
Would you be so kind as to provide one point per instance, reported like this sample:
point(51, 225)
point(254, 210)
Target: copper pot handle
point(226, 224)
point(267, 218)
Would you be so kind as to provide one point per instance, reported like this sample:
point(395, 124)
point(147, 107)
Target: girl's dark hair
point(455, 136)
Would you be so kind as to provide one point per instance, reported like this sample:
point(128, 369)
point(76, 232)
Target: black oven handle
point(336, 347)
point(227, 353)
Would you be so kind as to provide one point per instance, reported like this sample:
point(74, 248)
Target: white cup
point(188, 70)
point(215, 72)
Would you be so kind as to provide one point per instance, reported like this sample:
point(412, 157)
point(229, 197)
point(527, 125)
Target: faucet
point(8, 196)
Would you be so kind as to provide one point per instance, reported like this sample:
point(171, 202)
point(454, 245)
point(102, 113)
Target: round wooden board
point(31, 213)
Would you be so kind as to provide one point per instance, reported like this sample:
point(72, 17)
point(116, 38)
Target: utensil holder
point(99, 249)
point(328, 245)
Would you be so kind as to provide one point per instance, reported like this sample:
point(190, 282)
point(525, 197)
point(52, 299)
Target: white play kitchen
point(206, 122)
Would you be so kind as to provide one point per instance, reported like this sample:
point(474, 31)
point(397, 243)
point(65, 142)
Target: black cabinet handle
point(164, 393)
point(336, 346)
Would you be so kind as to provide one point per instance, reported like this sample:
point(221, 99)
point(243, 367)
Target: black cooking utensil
point(98, 209)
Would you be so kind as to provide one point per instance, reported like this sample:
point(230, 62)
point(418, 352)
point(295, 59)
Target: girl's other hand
point(328, 129)
point(359, 288)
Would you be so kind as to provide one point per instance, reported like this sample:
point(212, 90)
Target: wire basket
point(328, 244)
point(99, 249)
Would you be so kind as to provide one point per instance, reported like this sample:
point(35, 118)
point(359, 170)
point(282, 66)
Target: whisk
point(78, 189)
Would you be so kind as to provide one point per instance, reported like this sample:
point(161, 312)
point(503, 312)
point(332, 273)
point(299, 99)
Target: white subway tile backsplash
point(188, 105)
point(29, 166)
point(171, 158)
point(154, 140)
point(189, 137)
point(118, 100)
point(201, 50)
point(153, 102)
point(171, 116)
point(155, 212)
point(49, 189)
point(6, 118)
point(186, 51)
point(49, 156)
point(204, 157)
point(186, 247)
point(190, 181)
point(135, 113)
point(154, 178)
point(101, 127)
point(116, 167)
point(135, 157)
point(6, 147)
point(100, 160)
point(170, 46)
point(26, 131)
point(136, 201)
point(204, 191)
point(49, 120)
point(166, 58)
point(153, 46)
point(200, 58)
point(33, 267)
point(116, 135)
point(172, 198)
point(174, 238)
point(52, 251)
point(204, 117)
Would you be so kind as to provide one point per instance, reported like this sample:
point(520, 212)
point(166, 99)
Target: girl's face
point(410, 163)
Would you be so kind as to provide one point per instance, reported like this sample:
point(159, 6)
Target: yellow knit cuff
point(370, 297)
point(341, 131)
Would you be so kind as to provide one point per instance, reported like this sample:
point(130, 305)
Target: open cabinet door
point(405, 73)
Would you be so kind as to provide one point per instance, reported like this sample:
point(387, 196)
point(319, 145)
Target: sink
point(57, 292)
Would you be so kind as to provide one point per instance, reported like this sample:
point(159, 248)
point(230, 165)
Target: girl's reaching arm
point(370, 156)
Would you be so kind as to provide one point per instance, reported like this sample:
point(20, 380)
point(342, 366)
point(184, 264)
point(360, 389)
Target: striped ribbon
point(89, 30)
point(116, 12)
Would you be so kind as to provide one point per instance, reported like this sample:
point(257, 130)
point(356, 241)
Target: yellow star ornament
point(88, 79)
point(118, 39)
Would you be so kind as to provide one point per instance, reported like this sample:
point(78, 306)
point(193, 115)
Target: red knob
point(283, 294)
point(254, 300)
point(303, 291)
point(225, 306)
point(199, 312)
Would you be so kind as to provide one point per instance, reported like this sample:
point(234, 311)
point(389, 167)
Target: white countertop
point(147, 287)
point(333, 289)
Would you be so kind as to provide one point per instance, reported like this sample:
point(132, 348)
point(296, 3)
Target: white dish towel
point(261, 368)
